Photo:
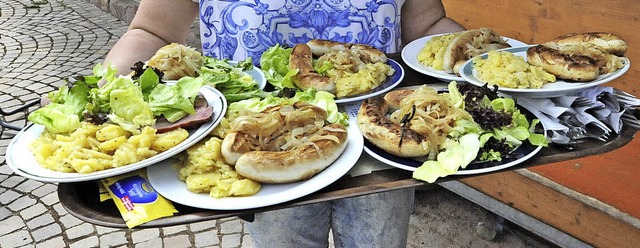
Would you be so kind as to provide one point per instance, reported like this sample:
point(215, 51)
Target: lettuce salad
point(129, 101)
point(471, 141)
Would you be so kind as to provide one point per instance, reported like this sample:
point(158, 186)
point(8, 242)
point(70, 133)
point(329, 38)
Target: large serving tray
point(82, 200)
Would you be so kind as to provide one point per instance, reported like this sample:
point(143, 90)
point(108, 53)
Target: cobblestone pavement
point(41, 43)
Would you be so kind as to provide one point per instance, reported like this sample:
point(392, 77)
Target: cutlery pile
point(595, 113)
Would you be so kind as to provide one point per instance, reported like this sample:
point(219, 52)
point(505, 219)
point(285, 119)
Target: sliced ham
point(203, 114)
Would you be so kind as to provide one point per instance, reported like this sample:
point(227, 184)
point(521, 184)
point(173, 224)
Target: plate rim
point(69, 177)
point(373, 92)
point(157, 175)
point(467, 72)
point(409, 56)
point(262, 83)
point(459, 172)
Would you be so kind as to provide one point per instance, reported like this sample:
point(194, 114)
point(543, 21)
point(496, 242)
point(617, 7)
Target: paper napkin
point(595, 109)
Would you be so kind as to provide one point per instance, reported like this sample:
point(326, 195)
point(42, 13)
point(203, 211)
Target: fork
point(630, 120)
point(582, 101)
point(578, 133)
point(626, 98)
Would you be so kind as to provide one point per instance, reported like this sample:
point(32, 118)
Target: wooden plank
point(611, 177)
point(556, 209)
point(535, 21)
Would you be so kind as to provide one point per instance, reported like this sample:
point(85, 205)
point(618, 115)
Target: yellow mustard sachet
point(104, 193)
point(137, 201)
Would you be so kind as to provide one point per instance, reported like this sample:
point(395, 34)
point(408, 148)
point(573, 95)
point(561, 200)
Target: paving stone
point(91, 241)
point(231, 226)
point(59, 209)
point(9, 196)
point(79, 231)
point(50, 199)
point(247, 241)
point(35, 210)
point(4, 212)
point(16, 239)
point(46, 232)
point(105, 229)
point(44, 190)
point(22, 203)
point(12, 181)
point(11, 224)
point(203, 225)
point(231, 240)
point(40, 221)
point(177, 241)
point(152, 243)
point(140, 236)
point(69, 221)
point(113, 239)
point(57, 242)
point(208, 238)
point(173, 230)
point(245, 230)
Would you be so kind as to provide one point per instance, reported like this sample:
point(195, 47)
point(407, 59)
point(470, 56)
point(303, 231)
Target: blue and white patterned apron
point(237, 29)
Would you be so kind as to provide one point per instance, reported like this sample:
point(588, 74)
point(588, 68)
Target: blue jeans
point(375, 220)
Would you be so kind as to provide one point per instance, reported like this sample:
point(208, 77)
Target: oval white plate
point(23, 163)
point(519, 155)
point(255, 73)
point(410, 57)
point(388, 84)
point(164, 179)
point(559, 88)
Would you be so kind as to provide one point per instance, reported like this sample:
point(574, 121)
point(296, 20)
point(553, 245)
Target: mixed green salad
point(129, 101)
point(229, 78)
point(497, 128)
point(137, 100)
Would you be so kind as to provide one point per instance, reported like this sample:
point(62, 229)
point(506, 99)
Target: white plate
point(388, 84)
point(255, 73)
point(23, 163)
point(164, 179)
point(410, 57)
point(559, 88)
point(519, 155)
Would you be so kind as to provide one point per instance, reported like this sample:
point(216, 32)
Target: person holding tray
point(240, 29)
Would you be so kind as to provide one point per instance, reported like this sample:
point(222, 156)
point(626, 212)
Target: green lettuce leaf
point(56, 118)
point(64, 113)
point(275, 64)
point(176, 101)
point(456, 155)
point(130, 111)
point(231, 80)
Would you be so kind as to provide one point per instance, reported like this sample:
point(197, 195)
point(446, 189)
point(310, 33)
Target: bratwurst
point(283, 144)
point(579, 57)
point(409, 122)
point(346, 59)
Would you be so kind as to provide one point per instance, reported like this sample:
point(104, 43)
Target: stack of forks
point(595, 113)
